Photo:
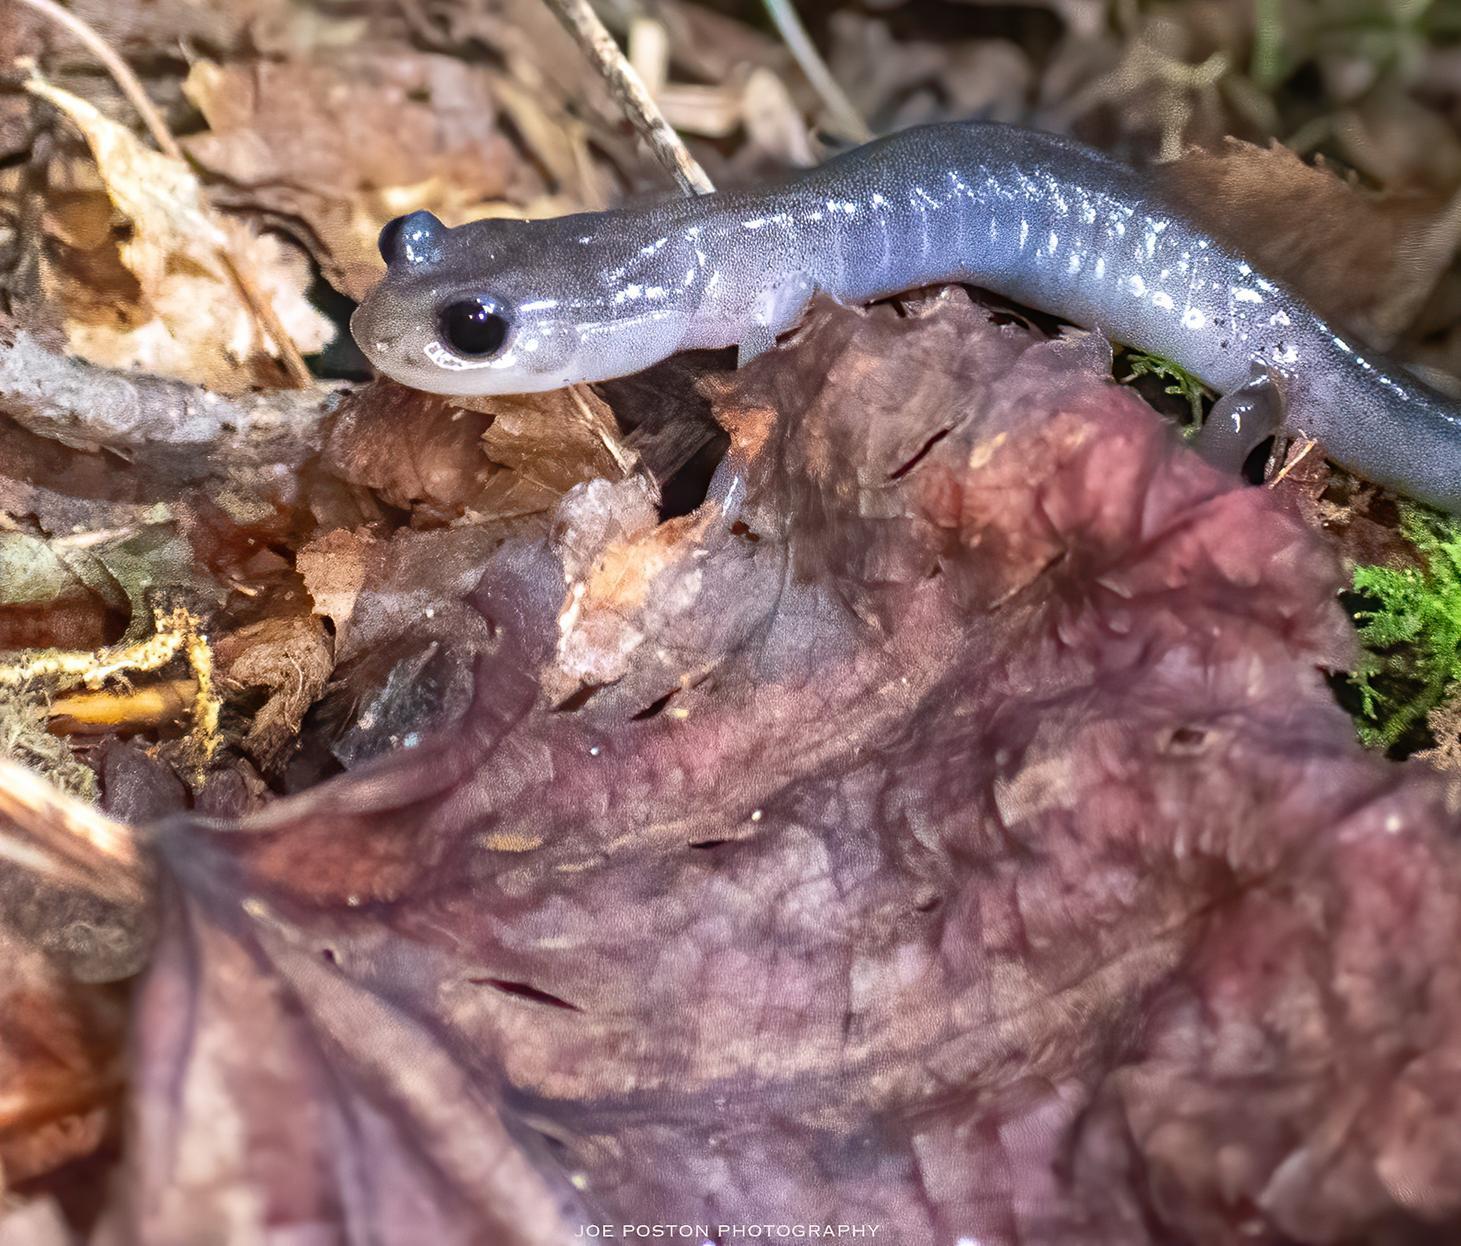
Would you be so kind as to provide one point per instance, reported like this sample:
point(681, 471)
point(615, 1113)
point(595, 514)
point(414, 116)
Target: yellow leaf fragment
point(186, 318)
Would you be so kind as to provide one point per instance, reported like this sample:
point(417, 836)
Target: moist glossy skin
point(1037, 218)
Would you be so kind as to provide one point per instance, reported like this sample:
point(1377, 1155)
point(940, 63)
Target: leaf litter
point(896, 783)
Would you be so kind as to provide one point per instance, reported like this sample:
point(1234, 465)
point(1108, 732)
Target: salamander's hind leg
point(755, 342)
point(1242, 420)
point(775, 310)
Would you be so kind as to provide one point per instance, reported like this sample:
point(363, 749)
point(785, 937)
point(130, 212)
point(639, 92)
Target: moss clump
point(1183, 383)
point(1412, 635)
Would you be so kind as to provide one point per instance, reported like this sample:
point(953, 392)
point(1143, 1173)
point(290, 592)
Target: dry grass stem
point(841, 111)
point(628, 88)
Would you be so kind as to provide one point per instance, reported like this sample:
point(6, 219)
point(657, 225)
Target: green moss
point(1183, 383)
point(24, 738)
point(1412, 635)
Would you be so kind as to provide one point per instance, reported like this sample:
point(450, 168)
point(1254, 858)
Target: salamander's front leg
point(1242, 420)
point(776, 309)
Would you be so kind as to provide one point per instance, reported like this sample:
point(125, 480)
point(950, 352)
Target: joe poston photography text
point(712, 1233)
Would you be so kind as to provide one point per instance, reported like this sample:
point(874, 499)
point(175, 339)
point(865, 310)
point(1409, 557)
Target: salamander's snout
point(382, 327)
point(369, 332)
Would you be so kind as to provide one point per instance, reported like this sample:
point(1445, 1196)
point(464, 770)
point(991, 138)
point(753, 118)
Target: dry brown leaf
point(334, 571)
point(346, 141)
point(870, 890)
point(185, 317)
point(415, 450)
point(60, 1052)
point(1367, 261)
point(559, 439)
point(483, 459)
point(292, 658)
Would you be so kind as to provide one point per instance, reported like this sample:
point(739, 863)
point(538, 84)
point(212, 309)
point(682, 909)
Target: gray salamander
point(506, 306)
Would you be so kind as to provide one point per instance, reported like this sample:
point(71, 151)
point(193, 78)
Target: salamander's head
point(512, 307)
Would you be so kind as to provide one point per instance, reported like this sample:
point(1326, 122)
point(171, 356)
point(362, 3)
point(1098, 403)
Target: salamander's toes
point(756, 342)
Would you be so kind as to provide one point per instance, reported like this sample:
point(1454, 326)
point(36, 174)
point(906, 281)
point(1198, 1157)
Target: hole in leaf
point(686, 489)
point(525, 990)
point(922, 454)
point(740, 529)
point(577, 700)
point(656, 707)
point(1186, 740)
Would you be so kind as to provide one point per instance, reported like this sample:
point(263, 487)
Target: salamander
point(511, 306)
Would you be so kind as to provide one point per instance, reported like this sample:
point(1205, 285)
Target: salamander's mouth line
point(522, 306)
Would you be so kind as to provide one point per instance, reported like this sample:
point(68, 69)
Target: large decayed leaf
point(955, 835)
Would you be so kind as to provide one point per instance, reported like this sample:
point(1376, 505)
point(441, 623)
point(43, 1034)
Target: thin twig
point(114, 65)
point(79, 404)
point(624, 458)
point(841, 111)
point(1294, 460)
point(259, 307)
point(628, 88)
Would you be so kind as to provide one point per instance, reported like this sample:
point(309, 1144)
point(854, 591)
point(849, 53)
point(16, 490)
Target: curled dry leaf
point(487, 460)
point(290, 657)
point(404, 637)
point(415, 450)
point(174, 310)
point(60, 1063)
point(960, 838)
point(345, 141)
point(141, 29)
point(376, 591)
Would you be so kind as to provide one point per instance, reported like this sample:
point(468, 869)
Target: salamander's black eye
point(474, 327)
